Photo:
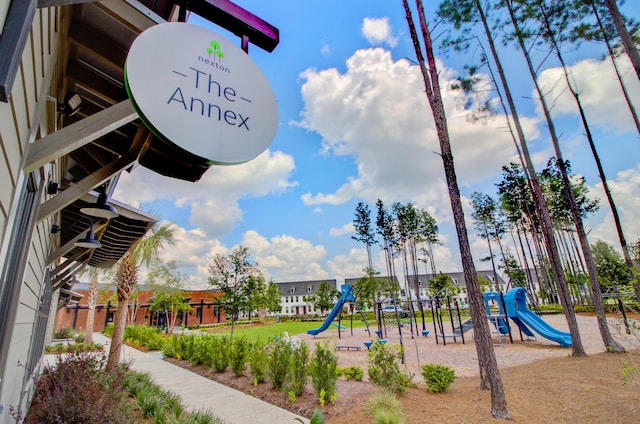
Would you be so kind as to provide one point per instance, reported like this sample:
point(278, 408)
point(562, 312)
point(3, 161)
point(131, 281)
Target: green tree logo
point(214, 49)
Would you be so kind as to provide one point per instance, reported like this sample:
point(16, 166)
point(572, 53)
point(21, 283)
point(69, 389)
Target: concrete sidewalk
point(200, 393)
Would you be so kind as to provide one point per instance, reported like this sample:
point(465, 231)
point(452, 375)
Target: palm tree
point(142, 252)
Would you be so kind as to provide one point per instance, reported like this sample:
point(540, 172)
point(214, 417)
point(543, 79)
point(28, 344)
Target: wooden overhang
point(105, 137)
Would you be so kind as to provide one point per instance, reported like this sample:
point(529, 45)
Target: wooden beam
point(62, 250)
point(239, 21)
point(60, 281)
point(74, 192)
point(74, 136)
point(12, 41)
point(66, 274)
point(54, 3)
point(68, 262)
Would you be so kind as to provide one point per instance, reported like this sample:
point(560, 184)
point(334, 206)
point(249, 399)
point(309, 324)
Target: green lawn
point(270, 330)
point(275, 329)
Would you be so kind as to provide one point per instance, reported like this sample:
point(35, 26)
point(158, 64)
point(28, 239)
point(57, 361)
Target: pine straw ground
point(543, 383)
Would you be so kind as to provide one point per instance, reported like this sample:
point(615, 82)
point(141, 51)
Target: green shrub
point(278, 359)
point(108, 330)
point(63, 333)
point(258, 362)
point(384, 407)
point(150, 401)
point(299, 369)
point(438, 377)
point(198, 350)
point(161, 406)
point(384, 369)
point(591, 308)
point(238, 355)
point(316, 418)
point(352, 372)
point(69, 348)
point(219, 354)
point(201, 417)
point(142, 335)
point(172, 348)
point(155, 343)
point(323, 370)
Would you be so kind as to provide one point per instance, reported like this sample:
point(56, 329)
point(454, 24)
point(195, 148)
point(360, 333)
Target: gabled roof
point(302, 287)
point(456, 276)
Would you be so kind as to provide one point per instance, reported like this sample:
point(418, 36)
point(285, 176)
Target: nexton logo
point(197, 90)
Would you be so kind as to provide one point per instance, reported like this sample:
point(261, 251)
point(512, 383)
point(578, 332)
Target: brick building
point(74, 314)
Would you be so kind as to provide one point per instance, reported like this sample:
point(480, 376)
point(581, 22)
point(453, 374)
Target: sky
point(354, 126)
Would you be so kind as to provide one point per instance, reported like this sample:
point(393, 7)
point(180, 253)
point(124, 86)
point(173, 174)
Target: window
point(309, 288)
point(13, 268)
point(292, 290)
point(297, 299)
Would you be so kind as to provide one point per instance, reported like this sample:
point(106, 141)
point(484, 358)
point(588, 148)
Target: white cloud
point(378, 31)
point(345, 229)
point(599, 89)
point(376, 112)
point(624, 190)
point(192, 252)
point(212, 202)
point(287, 257)
point(325, 49)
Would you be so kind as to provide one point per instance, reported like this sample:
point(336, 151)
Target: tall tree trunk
point(556, 264)
point(625, 37)
point(92, 299)
point(489, 372)
point(127, 277)
point(603, 178)
point(612, 56)
point(493, 262)
point(607, 338)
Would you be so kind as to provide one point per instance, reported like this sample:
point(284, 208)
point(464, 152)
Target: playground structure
point(511, 307)
point(515, 308)
point(346, 296)
point(438, 306)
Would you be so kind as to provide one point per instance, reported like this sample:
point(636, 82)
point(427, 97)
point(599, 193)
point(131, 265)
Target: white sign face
point(197, 90)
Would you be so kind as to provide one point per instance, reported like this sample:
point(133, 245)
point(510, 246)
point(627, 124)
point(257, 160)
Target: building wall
point(24, 245)
point(295, 296)
point(75, 315)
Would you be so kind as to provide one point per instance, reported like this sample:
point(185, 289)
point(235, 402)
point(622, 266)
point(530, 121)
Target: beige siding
point(4, 8)
point(20, 121)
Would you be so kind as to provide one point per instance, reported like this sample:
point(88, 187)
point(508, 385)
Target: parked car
point(392, 309)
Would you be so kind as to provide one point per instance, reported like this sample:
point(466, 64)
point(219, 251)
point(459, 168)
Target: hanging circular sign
point(200, 92)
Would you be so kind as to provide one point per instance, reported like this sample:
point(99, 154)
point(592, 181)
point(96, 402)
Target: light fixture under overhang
point(89, 242)
point(71, 106)
point(101, 209)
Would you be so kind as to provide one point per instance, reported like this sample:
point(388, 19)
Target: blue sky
point(354, 126)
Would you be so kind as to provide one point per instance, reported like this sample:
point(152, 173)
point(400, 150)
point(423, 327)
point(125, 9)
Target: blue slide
point(516, 302)
point(500, 323)
point(347, 296)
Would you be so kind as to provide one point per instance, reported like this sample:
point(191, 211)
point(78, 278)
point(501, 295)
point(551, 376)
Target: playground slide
point(516, 303)
point(466, 326)
point(347, 296)
point(544, 329)
point(522, 327)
